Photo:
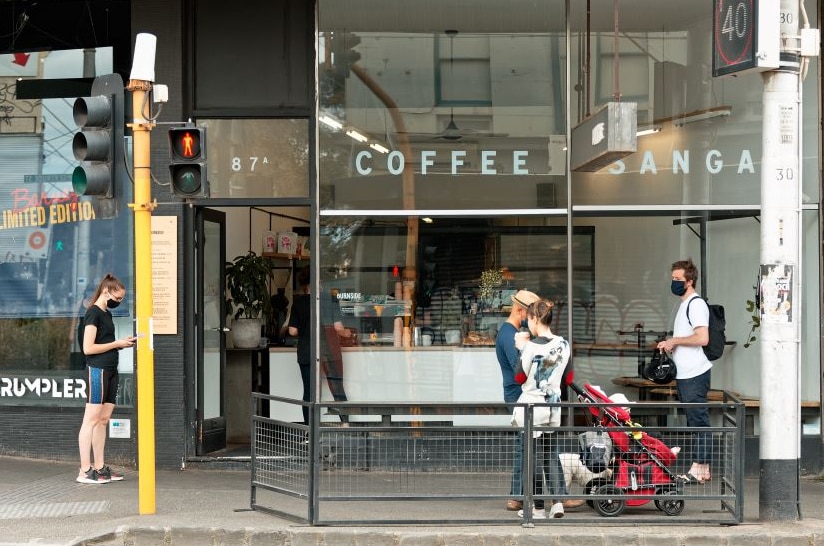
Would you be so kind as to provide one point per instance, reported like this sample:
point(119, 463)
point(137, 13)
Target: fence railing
point(411, 464)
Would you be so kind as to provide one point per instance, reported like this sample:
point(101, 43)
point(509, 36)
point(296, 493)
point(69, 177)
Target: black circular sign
point(733, 36)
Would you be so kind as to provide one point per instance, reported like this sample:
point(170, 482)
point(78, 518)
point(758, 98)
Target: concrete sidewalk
point(40, 503)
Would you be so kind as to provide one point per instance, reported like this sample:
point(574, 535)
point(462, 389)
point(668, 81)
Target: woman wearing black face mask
point(100, 348)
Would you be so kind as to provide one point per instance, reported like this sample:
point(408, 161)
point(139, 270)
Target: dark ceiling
point(37, 25)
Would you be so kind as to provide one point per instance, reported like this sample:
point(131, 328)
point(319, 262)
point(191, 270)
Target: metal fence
point(417, 464)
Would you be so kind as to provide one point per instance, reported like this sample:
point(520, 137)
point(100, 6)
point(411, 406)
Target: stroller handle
point(577, 388)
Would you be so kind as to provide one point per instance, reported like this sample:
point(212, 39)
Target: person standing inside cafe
point(692, 380)
point(331, 329)
point(509, 358)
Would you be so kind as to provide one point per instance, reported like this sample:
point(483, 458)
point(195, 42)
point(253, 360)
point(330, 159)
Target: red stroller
point(640, 467)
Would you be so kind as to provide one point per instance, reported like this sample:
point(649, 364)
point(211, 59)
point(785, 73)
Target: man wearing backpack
point(690, 335)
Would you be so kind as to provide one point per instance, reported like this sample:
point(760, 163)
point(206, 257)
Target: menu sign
point(164, 274)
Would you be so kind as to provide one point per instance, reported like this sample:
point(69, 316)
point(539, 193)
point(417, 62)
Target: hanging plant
point(490, 280)
point(754, 309)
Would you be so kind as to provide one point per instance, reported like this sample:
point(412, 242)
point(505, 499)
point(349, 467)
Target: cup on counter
point(426, 340)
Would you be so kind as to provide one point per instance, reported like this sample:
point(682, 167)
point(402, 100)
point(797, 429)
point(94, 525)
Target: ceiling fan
point(451, 132)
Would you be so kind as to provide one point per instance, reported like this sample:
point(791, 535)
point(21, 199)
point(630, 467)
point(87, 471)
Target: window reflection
point(258, 157)
point(463, 114)
point(54, 245)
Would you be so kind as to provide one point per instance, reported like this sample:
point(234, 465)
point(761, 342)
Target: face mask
point(679, 288)
point(111, 304)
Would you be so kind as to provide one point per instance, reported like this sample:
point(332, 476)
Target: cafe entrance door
point(210, 259)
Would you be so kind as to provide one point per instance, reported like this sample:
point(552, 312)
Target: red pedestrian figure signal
point(187, 162)
point(186, 143)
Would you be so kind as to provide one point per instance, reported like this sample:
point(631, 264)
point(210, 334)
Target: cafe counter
point(397, 374)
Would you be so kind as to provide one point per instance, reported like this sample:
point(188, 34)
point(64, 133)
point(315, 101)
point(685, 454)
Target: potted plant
point(247, 279)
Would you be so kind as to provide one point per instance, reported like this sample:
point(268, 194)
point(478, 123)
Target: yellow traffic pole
point(143, 207)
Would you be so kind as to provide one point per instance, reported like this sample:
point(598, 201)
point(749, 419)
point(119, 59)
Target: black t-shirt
point(301, 318)
point(95, 316)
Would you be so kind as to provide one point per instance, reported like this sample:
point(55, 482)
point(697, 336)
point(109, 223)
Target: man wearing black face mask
point(690, 334)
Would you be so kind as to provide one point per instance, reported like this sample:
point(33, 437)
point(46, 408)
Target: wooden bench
point(645, 386)
point(716, 395)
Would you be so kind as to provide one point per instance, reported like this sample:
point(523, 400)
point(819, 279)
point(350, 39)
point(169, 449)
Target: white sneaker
point(537, 513)
point(557, 510)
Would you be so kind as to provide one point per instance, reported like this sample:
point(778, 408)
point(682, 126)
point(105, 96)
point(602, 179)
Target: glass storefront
point(442, 160)
point(54, 245)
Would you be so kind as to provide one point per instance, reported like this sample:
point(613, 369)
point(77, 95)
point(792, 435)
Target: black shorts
point(101, 385)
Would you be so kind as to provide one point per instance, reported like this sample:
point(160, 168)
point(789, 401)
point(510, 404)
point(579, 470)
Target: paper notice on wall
point(164, 274)
point(777, 293)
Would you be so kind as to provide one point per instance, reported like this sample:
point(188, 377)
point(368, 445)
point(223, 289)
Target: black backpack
point(718, 338)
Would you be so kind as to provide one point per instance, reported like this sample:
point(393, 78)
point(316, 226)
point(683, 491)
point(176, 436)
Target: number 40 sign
point(745, 36)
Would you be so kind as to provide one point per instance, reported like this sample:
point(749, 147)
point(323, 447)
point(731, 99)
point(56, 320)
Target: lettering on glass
point(683, 162)
point(42, 387)
point(713, 162)
point(394, 162)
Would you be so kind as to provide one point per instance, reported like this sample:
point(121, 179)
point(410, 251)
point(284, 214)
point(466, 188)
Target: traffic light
point(187, 166)
point(344, 53)
point(99, 145)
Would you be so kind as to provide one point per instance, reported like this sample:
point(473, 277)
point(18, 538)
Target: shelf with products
point(282, 289)
point(290, 263)
point(289, 257)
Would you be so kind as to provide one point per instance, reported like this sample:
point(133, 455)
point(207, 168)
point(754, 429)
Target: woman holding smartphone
point(101, 350)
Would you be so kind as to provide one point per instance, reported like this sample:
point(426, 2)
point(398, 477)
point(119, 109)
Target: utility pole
point(140, 84)
point(780, 277)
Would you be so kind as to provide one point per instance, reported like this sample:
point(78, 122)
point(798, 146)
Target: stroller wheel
point(592, 486)
point(609, 508)
point(670, 507)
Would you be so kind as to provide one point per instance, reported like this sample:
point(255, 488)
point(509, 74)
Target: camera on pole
point(187, 162)
point(99, 145)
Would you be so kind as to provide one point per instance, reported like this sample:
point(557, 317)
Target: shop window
point(443, 287)
point(451, 112)
point(705, 155)
point(265, 158)
point(54, 245)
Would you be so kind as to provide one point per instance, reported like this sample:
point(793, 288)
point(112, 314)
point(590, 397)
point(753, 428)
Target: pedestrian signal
point(187, 165)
